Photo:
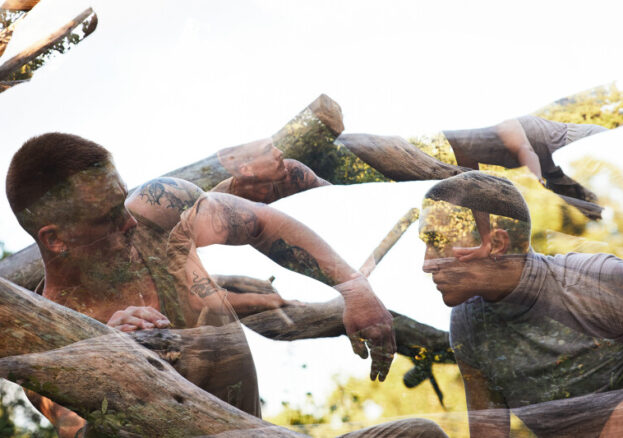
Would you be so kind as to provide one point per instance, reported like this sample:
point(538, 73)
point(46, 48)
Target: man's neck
point(96, 293)
point(504, 274)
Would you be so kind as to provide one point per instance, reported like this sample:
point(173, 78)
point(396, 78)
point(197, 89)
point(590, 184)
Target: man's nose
point(277, 153)
point(430, 265)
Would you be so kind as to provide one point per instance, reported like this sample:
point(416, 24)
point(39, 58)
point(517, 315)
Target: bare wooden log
point(19, 5)
point(24, 268)
point(318, 123)
point(396, 158)
point(41, 46)
point(121, 388)
point(389, 241)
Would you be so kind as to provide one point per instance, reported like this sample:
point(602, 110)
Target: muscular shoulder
point(601, 268)
point(302, 177)
point(162, 200)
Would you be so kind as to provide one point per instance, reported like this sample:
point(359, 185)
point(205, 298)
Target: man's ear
point(49, 237)
point(500, 242)
point(246, 171)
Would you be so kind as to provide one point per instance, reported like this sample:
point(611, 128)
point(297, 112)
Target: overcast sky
point(162, 87)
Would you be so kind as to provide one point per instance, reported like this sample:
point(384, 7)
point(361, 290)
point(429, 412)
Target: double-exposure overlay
point(136, 309)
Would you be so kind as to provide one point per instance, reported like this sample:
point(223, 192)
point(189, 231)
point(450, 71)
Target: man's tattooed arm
point(302, 178)
point(298, 260)
point(170, 193)
point(163, 200)
point(226, 219)
point(231, 220)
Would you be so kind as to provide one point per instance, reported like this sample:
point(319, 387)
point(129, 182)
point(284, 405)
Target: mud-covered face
point(101, 226)
point(266, 164)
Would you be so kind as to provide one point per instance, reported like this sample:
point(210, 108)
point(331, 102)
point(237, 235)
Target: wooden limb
point(309, 137)
point(41, 46)
point(24, 268)
point(389, 241)
point(396, 158)
point(320, 122)
point(19, 5)
point(121, 388)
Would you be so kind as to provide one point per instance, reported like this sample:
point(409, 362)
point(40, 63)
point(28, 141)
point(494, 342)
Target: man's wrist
point(357, 284)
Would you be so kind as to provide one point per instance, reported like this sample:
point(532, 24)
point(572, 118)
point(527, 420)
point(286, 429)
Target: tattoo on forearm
point(298, 260)
point(238, 221)
point(303, 178)
point(202, 286)
point(159, 190)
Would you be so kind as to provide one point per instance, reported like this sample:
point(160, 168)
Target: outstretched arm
point(514, 138)
point(226, 219)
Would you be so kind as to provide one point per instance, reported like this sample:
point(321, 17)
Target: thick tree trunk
point(121, 388)
point(41, 46)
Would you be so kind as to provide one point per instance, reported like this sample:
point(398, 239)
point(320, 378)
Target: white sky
point(161, 87)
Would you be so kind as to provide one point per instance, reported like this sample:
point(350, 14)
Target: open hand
point(138, 318)
point(368, 325)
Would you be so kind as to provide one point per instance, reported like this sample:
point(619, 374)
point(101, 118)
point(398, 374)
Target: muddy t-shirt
point(555, 337)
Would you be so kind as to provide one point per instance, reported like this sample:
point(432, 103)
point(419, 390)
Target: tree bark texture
point(121, 388)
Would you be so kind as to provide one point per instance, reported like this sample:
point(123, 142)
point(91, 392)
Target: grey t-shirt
point(546, 136)
point(556, 336)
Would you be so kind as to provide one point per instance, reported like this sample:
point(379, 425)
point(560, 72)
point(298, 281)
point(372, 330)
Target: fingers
point(151, 315)
point(138, 318)
point(381, 363)
point(359, 346)
point(382, 343)
point(467, 254)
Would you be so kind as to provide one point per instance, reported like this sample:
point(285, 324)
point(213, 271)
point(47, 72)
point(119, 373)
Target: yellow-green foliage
point(600, 105)
point(347, 406)
point(436, 146)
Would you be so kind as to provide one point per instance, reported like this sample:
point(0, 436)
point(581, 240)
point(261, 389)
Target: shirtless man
point(261, 174)
point(131, 261)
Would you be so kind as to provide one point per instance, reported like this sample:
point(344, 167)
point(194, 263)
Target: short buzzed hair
point(490, 194)
point(45, 162)
point(480, 191)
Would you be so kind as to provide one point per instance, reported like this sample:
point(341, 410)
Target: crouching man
point(535, 335)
